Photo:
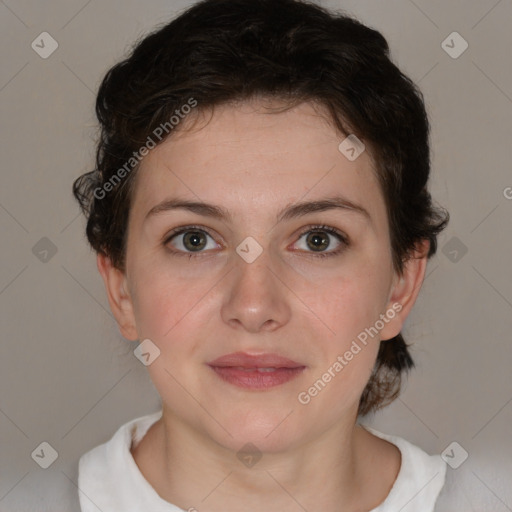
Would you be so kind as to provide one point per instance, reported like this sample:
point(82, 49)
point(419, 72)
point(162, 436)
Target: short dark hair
point(224, 51)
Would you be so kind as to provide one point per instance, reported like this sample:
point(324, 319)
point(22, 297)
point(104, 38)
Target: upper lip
point(243, 360)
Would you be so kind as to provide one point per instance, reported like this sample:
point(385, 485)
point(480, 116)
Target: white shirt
point(109, 479)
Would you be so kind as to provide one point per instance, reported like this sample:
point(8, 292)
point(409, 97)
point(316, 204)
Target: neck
point(189, 469)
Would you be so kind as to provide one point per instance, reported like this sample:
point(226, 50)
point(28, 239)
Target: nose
point(256, 299)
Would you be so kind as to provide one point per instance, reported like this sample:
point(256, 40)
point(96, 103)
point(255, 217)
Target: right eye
point(189, 240)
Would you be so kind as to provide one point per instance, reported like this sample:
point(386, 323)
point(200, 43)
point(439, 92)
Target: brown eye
point(317, 239)
point(188, 240)
point(194, 240)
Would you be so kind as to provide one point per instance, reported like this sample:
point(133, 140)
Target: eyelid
point(181, 229)
point(343, 239)
point(329, 229)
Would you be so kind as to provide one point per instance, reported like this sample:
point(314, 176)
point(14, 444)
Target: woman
point(262, 221)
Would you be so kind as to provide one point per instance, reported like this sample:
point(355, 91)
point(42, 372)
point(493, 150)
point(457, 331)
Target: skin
point(288, 301)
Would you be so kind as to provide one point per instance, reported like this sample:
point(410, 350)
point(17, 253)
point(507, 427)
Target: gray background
point(68, 378)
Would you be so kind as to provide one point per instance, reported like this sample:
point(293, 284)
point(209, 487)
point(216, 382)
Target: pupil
point(316, 239)
point(193, 238)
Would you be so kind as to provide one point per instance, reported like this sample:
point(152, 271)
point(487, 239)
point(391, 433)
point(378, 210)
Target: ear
point(404, 290)
point(118, 297)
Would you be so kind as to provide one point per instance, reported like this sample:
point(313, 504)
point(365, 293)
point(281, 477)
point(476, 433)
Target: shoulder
point(108, 472)
point(420, 478)
point(451, 496)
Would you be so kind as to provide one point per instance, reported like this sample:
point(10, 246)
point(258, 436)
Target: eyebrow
point(291, 212)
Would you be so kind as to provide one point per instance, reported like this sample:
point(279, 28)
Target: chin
point(267, 432)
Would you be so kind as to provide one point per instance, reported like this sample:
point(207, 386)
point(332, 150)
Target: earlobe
point(405, 290)
point(119, 299)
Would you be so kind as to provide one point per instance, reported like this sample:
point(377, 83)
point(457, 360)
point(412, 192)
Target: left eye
point(319, 239)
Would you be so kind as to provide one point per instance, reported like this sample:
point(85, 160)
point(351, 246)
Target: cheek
point(349, 301)
point(156, 304)
point(170, 305)
point(350, 306)
point(334, 391)
point(351, 351)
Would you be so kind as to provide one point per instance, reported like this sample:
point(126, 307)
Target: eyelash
point(318, 227)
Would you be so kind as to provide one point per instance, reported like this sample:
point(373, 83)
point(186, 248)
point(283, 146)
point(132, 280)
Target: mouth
point(256, 372)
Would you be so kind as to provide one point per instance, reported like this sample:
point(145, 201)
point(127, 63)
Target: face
point(260, 274)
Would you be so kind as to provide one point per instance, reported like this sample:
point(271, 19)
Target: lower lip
point(254, 379)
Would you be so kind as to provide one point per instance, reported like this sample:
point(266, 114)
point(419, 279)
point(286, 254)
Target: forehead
point(252, 161)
